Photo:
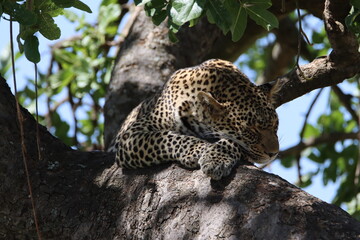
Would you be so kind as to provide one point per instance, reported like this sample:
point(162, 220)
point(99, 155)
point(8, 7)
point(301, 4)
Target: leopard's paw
point(216, 166)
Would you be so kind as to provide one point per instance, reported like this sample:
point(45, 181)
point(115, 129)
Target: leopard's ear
point(272, 90)
point(211, 105)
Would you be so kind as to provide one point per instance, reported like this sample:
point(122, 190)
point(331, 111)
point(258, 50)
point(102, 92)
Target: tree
point(83, 195)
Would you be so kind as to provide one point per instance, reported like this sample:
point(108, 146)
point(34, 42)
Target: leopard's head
point(247, 118)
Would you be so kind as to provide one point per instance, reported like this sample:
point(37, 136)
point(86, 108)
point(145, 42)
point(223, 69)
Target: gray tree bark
point(83, 195)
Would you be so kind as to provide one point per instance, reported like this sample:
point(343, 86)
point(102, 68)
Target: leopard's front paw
point(216, 166)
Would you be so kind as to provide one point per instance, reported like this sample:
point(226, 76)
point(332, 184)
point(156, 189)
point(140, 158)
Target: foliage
point(353, 19)
point(37, 16)
point(337, 162)
point(78, 75)
point(228, 15)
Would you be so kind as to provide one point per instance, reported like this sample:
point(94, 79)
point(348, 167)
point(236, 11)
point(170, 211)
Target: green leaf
point(265, 4)
point(288, 161)
point(352, 21)
point(350, 126)
point(183, 11)
point(239, 23)
point(50, 8)
point(48, 27)
point(219, 15)
point(31, 49)
point(314, 157)
point(193, 22)
point(311, 131)
point(355, 3)
point(159, 17)
point(62, 128)
point(330, 173)
point(20, 13)
point(173, 37)
point(108, 14)
point(64, 3)
point(141, 2)
point(156, 4)
point(318, 37)
point(82, 6)
point(263, 17)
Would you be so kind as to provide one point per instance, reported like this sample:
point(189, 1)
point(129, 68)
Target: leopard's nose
point(271, 155)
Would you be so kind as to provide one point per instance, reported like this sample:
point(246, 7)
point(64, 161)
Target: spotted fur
point(210, 116)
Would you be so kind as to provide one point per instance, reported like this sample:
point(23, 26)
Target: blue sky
point(291, 114)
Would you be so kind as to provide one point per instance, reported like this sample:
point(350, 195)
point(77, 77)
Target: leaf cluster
point(228, 15)
point(78, 76)
point(37, 16)
point(337, 163)
point(353, 19)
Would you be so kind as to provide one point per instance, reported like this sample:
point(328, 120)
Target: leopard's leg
point(136, 149)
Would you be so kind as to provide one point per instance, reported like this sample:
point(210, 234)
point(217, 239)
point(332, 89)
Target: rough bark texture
point(82, 195)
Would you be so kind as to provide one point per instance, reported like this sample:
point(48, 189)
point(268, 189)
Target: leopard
point(210, 116)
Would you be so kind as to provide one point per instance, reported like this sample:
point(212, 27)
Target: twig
point(37, 112)
point(129, 25)
point(329, 138)
point(73, 108)
point(357, 170)
point(298, 156)
point(345, 99)
point(299, 40)
point(283, 8)
point(48, 116)
point(308, 113)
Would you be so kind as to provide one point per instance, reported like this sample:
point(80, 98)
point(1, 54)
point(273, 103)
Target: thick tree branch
point(83, 195)
point(330, 70)
point(73, 190)
point(327, 138)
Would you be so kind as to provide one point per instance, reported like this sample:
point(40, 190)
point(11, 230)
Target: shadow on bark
point(83, 195)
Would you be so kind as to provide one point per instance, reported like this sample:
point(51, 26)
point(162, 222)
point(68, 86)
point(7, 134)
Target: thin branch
point(48, 116)
point(283, 51)
point(357, 170)
point(308, 113)
point(299, 36)
point(298, 156)
point(328, 138)
point(37, 112)
point(53, 109)
point(127, 28)
point(62, 43)
point(73, 109)
point(22, 135)
point(345, 99)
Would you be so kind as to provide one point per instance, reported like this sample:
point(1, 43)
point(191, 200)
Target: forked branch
point(329, 70)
